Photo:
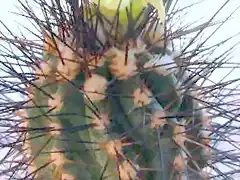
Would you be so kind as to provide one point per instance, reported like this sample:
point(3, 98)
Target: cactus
point(109, 98)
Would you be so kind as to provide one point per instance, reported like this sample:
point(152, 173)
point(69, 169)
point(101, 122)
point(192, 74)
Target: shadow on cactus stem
point(117, 91)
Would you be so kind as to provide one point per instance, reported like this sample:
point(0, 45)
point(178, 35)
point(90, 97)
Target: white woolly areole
point(158, 119)
point(62, 68)
point(95, 87)
point(121, 68)
point(179, 135)
point(69, 69)
point(66, 176)
point(128, 171)
point(56, 103)
point(179, 163)
point(57, 157)
point(69, 64)
point(54, 128)
point(42, 72)
point(101, 121)
point(113, 148)
point(142, 96)
point(21, 113)
point(65, 51)
point(24, 124)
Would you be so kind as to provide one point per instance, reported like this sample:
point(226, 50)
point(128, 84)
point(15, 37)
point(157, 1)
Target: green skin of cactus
point(78, 139)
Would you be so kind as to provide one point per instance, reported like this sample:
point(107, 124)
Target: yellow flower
point(109, 7)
